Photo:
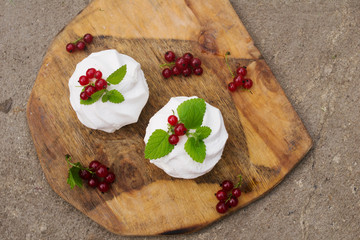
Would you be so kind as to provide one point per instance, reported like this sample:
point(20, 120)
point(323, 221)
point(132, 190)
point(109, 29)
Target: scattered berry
point(233, 202)
point(236, 192)
point(80, 45)
point(241, 71)
point(94, 165)
point(70, 47)
point(93, 182)
point(90, 72)
point(221, 207)
point(100, 84)
point(84, 174)
point(181, 63)
point(170, 56)
point(175, 71)
point(101, 171)
point(104, 187)
point(166, 73)
point(238, 80)
point(232, 87)
point(83, 96)
point(172, 120)
point(221, 195)
point(248, 83)
point(84, 80)
point(180, 129)
point(110, 178)
point(88, 38)
point(173, 139)
point(188, 56)
point(98, 74)
point(90, 90)
point(227, 185)
point(195, 62)
point(186, 72)
point(198, 71)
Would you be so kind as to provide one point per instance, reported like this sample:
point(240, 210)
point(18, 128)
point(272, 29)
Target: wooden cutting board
point(266, 137)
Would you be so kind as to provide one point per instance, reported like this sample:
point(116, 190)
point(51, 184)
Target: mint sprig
point(114, 95)
point(73, 173)
point(191, 113)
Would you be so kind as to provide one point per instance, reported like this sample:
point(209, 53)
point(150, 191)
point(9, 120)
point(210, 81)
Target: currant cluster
point(177, 128)
point(240, 80)
point(93, 82)
point(80, 43)
point(98, 176)
point(228, 195)
point(185, 65)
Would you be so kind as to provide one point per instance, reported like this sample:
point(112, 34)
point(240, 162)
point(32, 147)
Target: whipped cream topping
point(178, 163)
point(108, 116)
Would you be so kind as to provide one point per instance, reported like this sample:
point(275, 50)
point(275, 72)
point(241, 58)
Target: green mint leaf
point(114, 96)
point(105, 97)
point(96, 96)
point(73, 176)
point(117, 76)
point(196, 149)
point(203, 132)
point(191, 112)
point(158, 145)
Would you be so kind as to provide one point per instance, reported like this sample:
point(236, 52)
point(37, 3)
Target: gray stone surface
point(312, 47)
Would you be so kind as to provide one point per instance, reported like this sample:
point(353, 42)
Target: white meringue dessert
point(178, 163)
point(108, 116)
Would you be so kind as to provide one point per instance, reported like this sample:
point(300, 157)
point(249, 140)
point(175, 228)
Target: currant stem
point(77, 40)
point(227, 64)
point(240, 181)
point(167, 64)
point(68, 159)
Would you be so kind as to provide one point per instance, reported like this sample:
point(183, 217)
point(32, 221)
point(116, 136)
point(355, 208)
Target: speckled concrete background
point(313, 48)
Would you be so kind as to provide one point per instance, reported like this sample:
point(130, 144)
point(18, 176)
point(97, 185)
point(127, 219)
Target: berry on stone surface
point(232, 87)
point(90, 72)
point(198, 71)
point(104, 187)
point(101, 171)
point(90, 90)
point(88, 38)
point(110, 178)
point(173, 139)
point(221, 207)
point(80, 45)
point(84, 80)
point(180, 129)
point(172, 120)
point(227, 185)
point(166, 73)
point(70, 47)
point(100, 84)
point(170, 56)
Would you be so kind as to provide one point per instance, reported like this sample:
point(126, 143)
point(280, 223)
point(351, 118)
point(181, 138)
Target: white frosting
point(109, 116)
point(178, 163)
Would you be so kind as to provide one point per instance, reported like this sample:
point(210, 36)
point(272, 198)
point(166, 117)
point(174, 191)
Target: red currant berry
point(98, 74)
point(93, 182)
point(175, 71)
point(83, 96)
point(248, 83)
point(90, 90)
point(241, 71)
point(181, 63)
point(221, 207)
point(103, 187)
point(94, 165)
point(232, 87)
point(198, 71)
point(80, 45)
point(101, 171)
point(88, 38)
point(172, 120)
point(227, 185)
point(238, 80)
point(233, 202)
point(186, 72)
point(173, 139)
point(110, 178)
point(180, 129)
point(236, 192)
point(83, 80)
point(195, 62)
point(100, 84)
point(70, 47)
point(166, 73)
point(221, 195)
point(170, 56)
point(188, 56)
point(84, 174)
point(90, 72)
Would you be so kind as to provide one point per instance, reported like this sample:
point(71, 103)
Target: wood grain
point(266, 137)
